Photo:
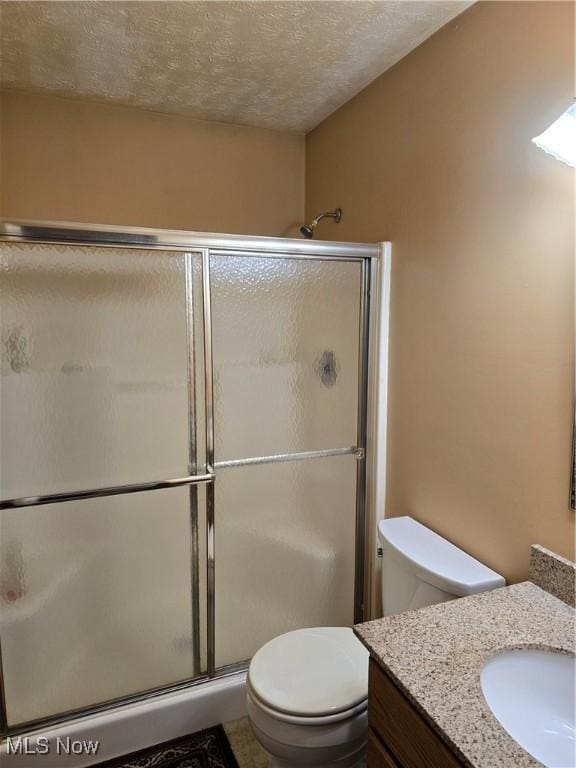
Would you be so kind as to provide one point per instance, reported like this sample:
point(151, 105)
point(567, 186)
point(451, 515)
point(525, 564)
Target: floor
point(247, 751)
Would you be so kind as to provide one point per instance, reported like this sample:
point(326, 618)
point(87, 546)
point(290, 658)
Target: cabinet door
point(407, 736)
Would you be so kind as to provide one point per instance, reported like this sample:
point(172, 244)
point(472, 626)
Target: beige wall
point(436, 156)
point(80, 161)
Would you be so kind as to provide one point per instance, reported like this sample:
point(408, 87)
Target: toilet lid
point(311, 672)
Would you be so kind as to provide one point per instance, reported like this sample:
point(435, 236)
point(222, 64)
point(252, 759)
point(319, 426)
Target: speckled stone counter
point(553, 573)
point(435, 656)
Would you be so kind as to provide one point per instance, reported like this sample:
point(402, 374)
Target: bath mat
point(205, 749)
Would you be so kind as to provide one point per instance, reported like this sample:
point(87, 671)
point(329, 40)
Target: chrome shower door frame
point(204, 245)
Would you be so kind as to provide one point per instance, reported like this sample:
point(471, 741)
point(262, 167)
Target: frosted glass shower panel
point(93, 377)
point(285, 339)
point(285, 538)
point(96, 600)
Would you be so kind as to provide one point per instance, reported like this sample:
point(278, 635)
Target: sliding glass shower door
point(286, 360)
point(182, 434)
point(98, 595)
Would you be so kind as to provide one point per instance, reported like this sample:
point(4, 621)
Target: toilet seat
point(318, 674)
point(307, 697)
point(306, 719)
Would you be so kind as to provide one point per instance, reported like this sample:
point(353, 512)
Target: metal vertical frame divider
point(363, 327)
point(210, 491)
point(194, 244)
point(192, 459)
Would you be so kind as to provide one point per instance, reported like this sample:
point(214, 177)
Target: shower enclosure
point(183, 456)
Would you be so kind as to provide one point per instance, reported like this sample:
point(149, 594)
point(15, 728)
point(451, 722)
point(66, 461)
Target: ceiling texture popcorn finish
point(280, 65)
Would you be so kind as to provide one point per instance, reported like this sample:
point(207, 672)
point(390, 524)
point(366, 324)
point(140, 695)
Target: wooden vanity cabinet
point(398, 735)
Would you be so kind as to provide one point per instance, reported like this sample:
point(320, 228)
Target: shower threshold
point(130, 727)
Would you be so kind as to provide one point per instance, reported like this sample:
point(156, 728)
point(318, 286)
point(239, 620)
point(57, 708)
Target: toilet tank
point(420, 568)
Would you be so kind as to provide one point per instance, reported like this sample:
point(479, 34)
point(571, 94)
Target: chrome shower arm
point(307, 230)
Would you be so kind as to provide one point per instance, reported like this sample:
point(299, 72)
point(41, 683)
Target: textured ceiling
point(283, 65)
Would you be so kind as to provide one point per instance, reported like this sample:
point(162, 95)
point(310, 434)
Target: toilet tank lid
point(434, 559)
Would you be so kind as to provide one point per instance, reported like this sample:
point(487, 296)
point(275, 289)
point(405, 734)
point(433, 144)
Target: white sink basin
point(532, 695)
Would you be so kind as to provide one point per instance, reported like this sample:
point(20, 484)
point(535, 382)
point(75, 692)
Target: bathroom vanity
point(431, 703)
point(391, 716)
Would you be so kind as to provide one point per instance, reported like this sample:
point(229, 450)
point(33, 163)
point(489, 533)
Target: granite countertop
point(435, 656)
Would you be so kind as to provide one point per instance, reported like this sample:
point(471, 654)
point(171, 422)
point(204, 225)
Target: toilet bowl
point(307, 698)
point(307, 690)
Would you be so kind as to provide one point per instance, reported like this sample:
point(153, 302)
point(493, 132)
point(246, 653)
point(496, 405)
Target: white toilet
point(308, 689)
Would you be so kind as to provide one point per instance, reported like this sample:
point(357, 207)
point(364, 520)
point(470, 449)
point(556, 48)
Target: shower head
point(307, 230)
